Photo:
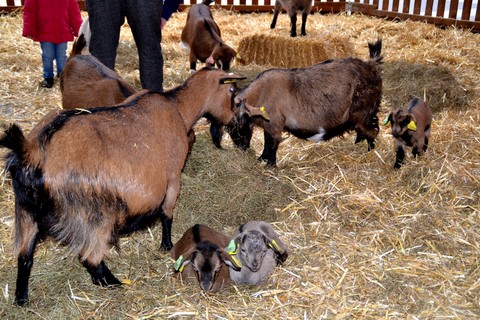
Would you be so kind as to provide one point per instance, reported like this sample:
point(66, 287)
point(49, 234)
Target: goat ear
point(231, 78)
point(230, 260)
point(252, 111)
point(182, 261)
point(412, 124)
point(387, 120)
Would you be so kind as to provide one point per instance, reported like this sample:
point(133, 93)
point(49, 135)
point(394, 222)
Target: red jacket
point(54, 21)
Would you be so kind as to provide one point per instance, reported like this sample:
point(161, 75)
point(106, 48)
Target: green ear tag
point(386, 122)
point(412, 126)
point(178, 266)
point(273, 244)
point(232, 248)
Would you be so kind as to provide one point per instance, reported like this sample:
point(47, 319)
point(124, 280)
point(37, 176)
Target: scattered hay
point(287, 52)
point(366, 242)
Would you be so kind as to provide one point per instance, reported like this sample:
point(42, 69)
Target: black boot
point(47, 83)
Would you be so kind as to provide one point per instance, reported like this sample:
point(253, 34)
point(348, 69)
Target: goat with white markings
point(201, 37)
point(410, 127)
point(86, 177)
point(315, 103)
point(200, 255)
point(258, 249)
point(292, 6)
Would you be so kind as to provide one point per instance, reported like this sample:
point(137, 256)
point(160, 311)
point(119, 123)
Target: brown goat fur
point(410, 127)
point(292, 6)
point(200, 256)
point(87, 177)
point(202, 37)
point(315, 103)
point(86, 82)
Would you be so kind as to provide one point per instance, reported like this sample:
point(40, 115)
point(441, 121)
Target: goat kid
point(315, 103)
point(86, 177)
point(200, 255)
point(201, 37)
point(410, 127)
point(292, 6)
point(259, 250)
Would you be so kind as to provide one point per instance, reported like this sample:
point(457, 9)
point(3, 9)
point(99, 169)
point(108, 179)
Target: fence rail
point(458, 13)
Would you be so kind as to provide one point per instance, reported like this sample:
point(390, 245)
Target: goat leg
point(101, 275)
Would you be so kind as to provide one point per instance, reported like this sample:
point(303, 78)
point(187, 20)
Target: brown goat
point(315, 103)
point(200, 255)
point(292, 6)
point(86, 82)
point(86, 177)
point(411, 128)
point(202, 38)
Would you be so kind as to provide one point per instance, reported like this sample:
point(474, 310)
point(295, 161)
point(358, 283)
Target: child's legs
point(60, 56)
point(48, 54)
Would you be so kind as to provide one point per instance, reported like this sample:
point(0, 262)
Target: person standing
point(146, 19)
point(52, 23)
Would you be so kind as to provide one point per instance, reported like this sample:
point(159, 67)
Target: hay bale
point(287, 52)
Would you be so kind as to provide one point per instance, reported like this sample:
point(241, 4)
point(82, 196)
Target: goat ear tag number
point(412, 126)
point(386, 121)
point(178, 266)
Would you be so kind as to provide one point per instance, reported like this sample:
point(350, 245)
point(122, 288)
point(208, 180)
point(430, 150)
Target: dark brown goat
point(315, 103)
point(411, 128)
point(87, 177)
point(200, 255)
point(292, 6)
point(86, 82)
point(202, 38)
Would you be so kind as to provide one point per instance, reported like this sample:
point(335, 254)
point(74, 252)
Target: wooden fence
point(458, 13)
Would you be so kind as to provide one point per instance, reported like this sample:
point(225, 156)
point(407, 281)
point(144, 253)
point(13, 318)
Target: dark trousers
point(106, 17)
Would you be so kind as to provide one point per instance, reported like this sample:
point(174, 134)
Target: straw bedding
point(366, 242)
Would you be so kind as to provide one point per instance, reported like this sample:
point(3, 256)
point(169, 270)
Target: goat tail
point(14, 140)
point(207, 2)
point(376, 51)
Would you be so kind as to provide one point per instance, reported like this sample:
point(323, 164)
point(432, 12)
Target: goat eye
point(232, 90)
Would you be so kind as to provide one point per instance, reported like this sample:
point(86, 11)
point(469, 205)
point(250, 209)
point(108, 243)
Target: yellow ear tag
point(238, 56)
point(264, 113)
point(386, 122)
point(412, 126)
point(178, 266)
point(273, 244)
point(236, 261)
point(127, 281)
point(228, 81)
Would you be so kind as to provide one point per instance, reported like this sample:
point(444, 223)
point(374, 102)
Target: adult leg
point(144, 18)
point(60, 56)
point(48, 54)
point(105, 19)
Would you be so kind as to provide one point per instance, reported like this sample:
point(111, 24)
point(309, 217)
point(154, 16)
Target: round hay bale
point(287, 52)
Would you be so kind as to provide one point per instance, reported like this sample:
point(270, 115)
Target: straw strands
point(366, 242)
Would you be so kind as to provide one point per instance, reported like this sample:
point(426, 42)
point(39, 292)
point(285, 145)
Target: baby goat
point(292, 6)
point(258, 249)
point(87, 177)
point(315, 103)
point(200, 255)
point(202, 38)
point(410, 128)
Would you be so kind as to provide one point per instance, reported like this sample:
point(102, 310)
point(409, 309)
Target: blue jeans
point(50, 52)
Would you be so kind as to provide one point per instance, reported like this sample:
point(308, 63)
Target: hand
point(163, 23)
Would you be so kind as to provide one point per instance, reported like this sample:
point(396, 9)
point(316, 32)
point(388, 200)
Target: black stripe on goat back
point(196, 233)
point(60, 120)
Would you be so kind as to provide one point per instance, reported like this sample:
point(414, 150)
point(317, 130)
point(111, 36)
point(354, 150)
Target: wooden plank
point(441, 8)
point(406, 6)
point(395, 5)
point(453, 9)
point(467, 9)
point(416, 6)
point(429, 8)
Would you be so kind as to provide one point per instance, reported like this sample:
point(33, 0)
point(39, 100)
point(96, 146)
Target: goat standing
point(292, 6)
point(410, 128)
point(87, 177)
